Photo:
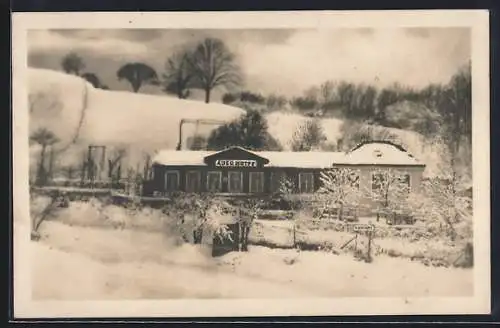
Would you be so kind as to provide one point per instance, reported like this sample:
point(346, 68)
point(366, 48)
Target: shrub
point(229, 98)
point(304, 103)
point(252, 97)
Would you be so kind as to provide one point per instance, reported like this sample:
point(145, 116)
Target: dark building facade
point(238, 171)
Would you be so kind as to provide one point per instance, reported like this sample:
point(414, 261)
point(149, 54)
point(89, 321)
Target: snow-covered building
point(239, 171)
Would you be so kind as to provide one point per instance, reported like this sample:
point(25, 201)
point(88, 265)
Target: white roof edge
point(312, 159)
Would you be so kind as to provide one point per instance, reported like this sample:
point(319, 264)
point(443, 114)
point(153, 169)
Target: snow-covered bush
point(200, 214)
point(38, 203)
point(42, 207)
point(390, 192)
point(443, 209)
point(340, 190)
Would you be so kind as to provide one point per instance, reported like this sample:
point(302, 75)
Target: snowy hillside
point(283, 125)
point(69, 107)
point(116, 116)
point(74, 110)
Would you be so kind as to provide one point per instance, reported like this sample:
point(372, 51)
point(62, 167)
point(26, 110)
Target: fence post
point(369, 250)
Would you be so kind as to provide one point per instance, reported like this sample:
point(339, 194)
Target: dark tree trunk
point(197, 236)
point(246, 230)
point(41, 169)
point(136, 85)
point(207, 95)
point(51, 164)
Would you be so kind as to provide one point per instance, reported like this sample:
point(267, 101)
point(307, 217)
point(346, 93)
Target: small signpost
point(368, 229)
point(363, 227)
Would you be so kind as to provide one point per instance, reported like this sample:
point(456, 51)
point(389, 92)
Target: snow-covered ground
point(115, 117)
point(74, 262)
point(68, 106)
point(281, 234)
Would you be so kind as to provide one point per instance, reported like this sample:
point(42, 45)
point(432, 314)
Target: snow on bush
point(38, 204)
point(339, 190)
point(332, 236)
point(443, 210)
point(95, 213)
point(188, 219)
point(272, 233)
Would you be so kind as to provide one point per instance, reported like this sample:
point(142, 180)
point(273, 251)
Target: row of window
point(234, 181)
point(256, 181)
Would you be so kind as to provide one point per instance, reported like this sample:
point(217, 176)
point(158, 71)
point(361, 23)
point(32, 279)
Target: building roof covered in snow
point(368, 153)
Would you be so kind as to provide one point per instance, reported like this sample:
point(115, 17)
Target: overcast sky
point(282, 61)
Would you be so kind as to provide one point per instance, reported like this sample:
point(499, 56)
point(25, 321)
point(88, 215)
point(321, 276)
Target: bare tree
point(114, 164)
point(308, 136)
point(177, 76)
point(327, 94)
point(454, 103)
point(44, 138)
point(346, 93)
point(286, 191)
point(390, 191)
point(72, 63)
point(455, 106)
point(313, 93)
point(214, 65)
point(438, 202)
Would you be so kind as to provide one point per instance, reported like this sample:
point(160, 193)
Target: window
point(214, 181)
point(277, 179)
point(256, 181)
point(192, 181)
point(378, 180)
point(405, 180)
point(343, 177)
point(306, 182)
point(171, 181)
point(354, 180)
point(235, 181)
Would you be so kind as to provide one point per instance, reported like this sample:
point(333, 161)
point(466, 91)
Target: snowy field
point(97, 263)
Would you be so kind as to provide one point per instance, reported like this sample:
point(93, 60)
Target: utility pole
point(369, 250)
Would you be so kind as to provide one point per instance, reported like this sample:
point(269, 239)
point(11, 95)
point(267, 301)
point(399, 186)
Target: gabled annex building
point(239, 171)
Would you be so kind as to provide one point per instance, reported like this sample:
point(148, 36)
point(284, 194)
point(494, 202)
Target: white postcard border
point(24, 307)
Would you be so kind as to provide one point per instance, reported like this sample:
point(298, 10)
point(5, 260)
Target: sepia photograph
point(257, 164)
